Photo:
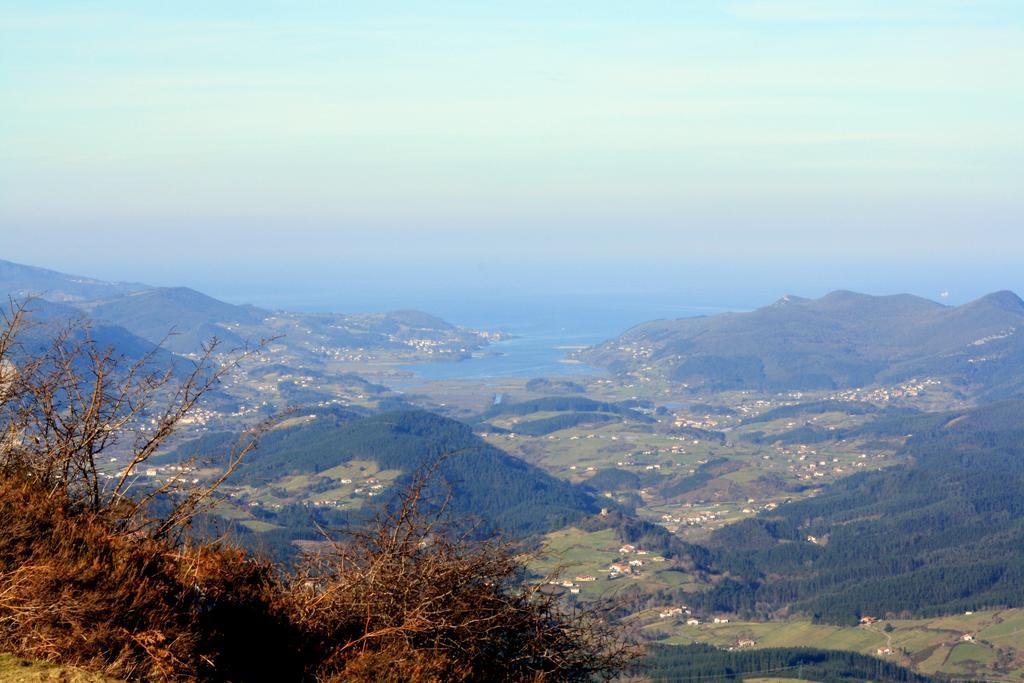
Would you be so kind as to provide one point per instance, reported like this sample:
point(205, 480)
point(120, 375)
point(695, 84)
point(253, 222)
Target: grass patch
point(20, 670)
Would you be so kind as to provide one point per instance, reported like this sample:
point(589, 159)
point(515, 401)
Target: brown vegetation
point(410, 597)
point(74, 589)
point(90, 575)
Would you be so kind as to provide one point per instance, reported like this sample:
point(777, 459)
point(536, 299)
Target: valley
point(717, 508)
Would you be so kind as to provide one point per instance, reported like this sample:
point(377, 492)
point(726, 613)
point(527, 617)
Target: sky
point(713, 148)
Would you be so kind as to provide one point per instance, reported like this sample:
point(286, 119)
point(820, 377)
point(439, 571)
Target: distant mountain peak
point(845, 294)
point(845, 299)
point(788, 299)
point(1004, 300)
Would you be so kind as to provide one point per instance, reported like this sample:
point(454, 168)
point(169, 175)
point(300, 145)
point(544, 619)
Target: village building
point(617, 568)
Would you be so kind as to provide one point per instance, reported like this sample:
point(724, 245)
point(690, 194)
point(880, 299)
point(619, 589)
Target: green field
point(299, 488)
point(995, 653)
point(571, 552)
point(259, 526)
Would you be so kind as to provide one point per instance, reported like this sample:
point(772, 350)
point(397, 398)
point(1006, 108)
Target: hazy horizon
point(725, 153)
point(594, 307)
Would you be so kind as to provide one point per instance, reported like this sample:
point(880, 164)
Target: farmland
point(987, 645)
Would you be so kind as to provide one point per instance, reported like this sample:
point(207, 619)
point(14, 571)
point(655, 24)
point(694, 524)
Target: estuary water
point(532, 352)
point(546, 332)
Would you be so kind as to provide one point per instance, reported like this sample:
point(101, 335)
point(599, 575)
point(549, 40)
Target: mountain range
point(841, 340)
point(183, 319)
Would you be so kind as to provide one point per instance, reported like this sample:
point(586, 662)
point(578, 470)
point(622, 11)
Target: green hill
point(564, 404)
point(488, 484)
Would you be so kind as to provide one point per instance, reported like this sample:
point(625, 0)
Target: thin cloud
point(856, 11)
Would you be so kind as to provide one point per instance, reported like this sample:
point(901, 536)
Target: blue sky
point(783, 144)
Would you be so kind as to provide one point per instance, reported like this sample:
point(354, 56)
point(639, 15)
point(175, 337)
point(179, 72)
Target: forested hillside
point(943, 533)
point(507, 494)
point(558, 413)
point(573, 404)
point(703, 662)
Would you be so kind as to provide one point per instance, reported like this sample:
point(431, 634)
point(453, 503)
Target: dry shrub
point(404, 600)
point(410, 599)
point(75, 590)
